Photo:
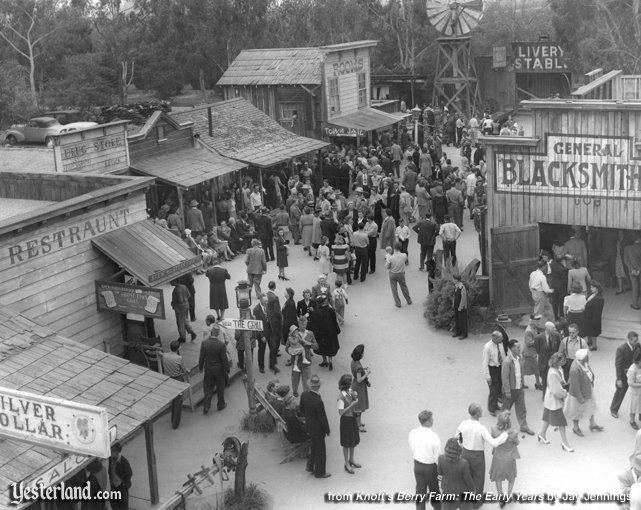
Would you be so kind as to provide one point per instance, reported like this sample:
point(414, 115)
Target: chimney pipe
point(211, 129)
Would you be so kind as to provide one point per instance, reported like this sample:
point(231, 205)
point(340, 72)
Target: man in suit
point(512, 381)
point(213, 360)
point(275, 318)
point(546, 344)
point(256, 266)
point(312, 407)
point(260, 313)
point(622, 361)
point(265, 232)
point(427, 231)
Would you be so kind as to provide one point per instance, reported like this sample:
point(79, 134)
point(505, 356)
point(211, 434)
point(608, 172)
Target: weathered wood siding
point(261, 96)
point(346, 65)
point(175, 139)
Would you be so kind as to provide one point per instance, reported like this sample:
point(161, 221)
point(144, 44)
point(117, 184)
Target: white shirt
point(517, 371)
point(403, 232)
point(425, 445)
point(256, 200)
point(470, 182)
point(491, 357)
point(539, 282)
point(474, 436)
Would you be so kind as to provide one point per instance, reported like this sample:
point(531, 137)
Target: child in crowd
point(340, 300)
point(388, 253)
point(323, 255)
point(296, 350)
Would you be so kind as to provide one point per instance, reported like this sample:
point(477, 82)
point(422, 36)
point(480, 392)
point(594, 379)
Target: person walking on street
point(553, 400)
point(256, 266)
point(460, 308)
point(634, 383)
point(371, 229)
point(540, 289)
point(503, 467)
point(455, 475)
point(427, 231)
point(426, 447)
point(217, 292)
point(180, 303)
point(581, 401)
point(188, 281)
point(473, 437)
point(300, 370)
point(214, 362)
point(361, 249)
point(396, 266)
point(492, 363)
point(312, 407)
point(282, 252)
point(512, 381)
point(570, 345)
point(449, 233)
point(622, 361)
point(545, 345)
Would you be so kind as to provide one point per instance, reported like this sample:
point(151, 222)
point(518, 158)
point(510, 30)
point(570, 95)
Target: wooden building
point(318, 92)
point(581, 168)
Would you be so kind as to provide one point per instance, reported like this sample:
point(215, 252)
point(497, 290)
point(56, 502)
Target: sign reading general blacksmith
point(54, 423)
point(574, 165)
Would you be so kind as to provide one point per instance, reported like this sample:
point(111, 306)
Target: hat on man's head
point(215, 331)
point(193, 203)
point(314, 381)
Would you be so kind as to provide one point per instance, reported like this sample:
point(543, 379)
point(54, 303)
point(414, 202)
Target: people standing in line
point(180, 303)
point(425, 446)
point(325, 327)
point(503, 466)
point(301, 371)
point(546, 344)
point(530, 361)
point(371, 229)
point(275, 318)
point(455, 475)
point(539, 288)
point(282, 252)
point(492, 363)
point(581, 401)
point(217, 276)
point(593, 311)
point(312, 407)
point(622, 361)
point(265, 233)
point(349, 436)
point(634, 383)
point(553, 401)
point(473, 437)
point(427, 231)
point(361, 249)
point(214, 362)
point(396, 266)
point(260, 313)
point(120, 475)
point(449, 234)
point(361, 383)
point(512, 382)
point(569, 346)
point(256, 266)
point(460, 308)
point(339, 300)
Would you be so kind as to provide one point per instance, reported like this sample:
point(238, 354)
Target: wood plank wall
point(348, 82)
point(56, 289)
point(53, 188)
point(176, 139)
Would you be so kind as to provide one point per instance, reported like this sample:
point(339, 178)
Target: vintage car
point(37, 130)
point(73, 126)
point(65, 116)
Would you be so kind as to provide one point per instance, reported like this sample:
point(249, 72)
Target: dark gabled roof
point(242, 132)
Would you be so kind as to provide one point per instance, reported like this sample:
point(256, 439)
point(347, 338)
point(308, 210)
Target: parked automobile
point(37, 130)
point(77, 125)
point(65, 116)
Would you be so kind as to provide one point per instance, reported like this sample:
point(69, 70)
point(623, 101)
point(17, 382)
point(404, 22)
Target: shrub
point(255, 499)
point(261, 422)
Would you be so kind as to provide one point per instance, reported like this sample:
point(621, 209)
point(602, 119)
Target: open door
point(515, 252)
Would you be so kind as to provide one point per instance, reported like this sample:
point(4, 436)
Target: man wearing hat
point(214, 362)
point(194, 219)
point(312, 407)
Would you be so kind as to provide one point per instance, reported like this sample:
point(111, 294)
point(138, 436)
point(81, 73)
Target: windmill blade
point(454, 18)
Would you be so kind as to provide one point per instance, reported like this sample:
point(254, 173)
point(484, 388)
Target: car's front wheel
point(12, 140)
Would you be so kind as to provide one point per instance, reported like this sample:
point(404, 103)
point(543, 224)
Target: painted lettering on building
point(56, 240)
point(354, 65)
point(538, 58)
point(580, 166)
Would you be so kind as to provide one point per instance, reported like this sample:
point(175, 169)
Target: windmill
point(455, 83)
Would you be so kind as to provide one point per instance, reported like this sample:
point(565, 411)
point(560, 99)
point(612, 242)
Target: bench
point(292, 450)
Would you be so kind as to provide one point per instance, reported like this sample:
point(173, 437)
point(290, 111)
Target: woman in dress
point(217, 291)
point(360, 384)
point(402, 235)
point(306, 222)
point(455, 475)
point(281, 254)
point(349, 437)
point(504, 457)
point(578, 275)
point(580, 401)
point(290, 317)
point(340, 258)
point(574, 307)
point(317, 233)
point(388, 234)
point(530, 360)
point(592, 314)
point(555, 395)
point(634, 382)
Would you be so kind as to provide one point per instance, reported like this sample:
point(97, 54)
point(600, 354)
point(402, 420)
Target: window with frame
point(362, 89)
point(333, 96)
point(287, 111)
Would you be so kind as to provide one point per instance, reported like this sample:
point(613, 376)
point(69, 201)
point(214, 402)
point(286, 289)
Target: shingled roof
point(242, 132)
point(275, 66)
point(37, 360)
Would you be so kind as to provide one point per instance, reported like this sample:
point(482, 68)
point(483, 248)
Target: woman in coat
point(306, 222)
point(217, 291)
point(455, 475)
point(394, 202)
point(281, 254)
point(326, 329)
point(592, 314)
point(290, 317)
point(388, 230)
point(580, 401)
point(504, 456)
point(555, 395)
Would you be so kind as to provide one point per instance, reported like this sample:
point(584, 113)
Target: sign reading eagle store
point(574, 165)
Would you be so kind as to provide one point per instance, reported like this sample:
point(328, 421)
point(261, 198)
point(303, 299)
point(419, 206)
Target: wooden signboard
point(100, 149)
point(242, 324)
point(343, 131)
point(124, 298)
point(54, 423)
point(538, 57)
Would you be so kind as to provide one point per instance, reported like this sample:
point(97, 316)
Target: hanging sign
point(538, 57)
point(344, 131)
point(243, 324)
point(124, 298)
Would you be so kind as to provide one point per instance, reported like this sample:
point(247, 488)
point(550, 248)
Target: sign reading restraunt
point(581, 166)
point(55, 423)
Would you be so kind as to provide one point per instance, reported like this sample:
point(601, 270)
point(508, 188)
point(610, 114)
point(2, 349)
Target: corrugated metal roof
point(275, 66)
point(241, 131)
point(149, 252)
point(37, 360)
point(187, 167)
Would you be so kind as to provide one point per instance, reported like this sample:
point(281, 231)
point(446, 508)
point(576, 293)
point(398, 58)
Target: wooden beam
point(151, 462)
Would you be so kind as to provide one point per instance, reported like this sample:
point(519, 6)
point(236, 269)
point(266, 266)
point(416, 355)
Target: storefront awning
point(35, 359)
point(149, 252)
point(366, 119)
point(187, 167)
